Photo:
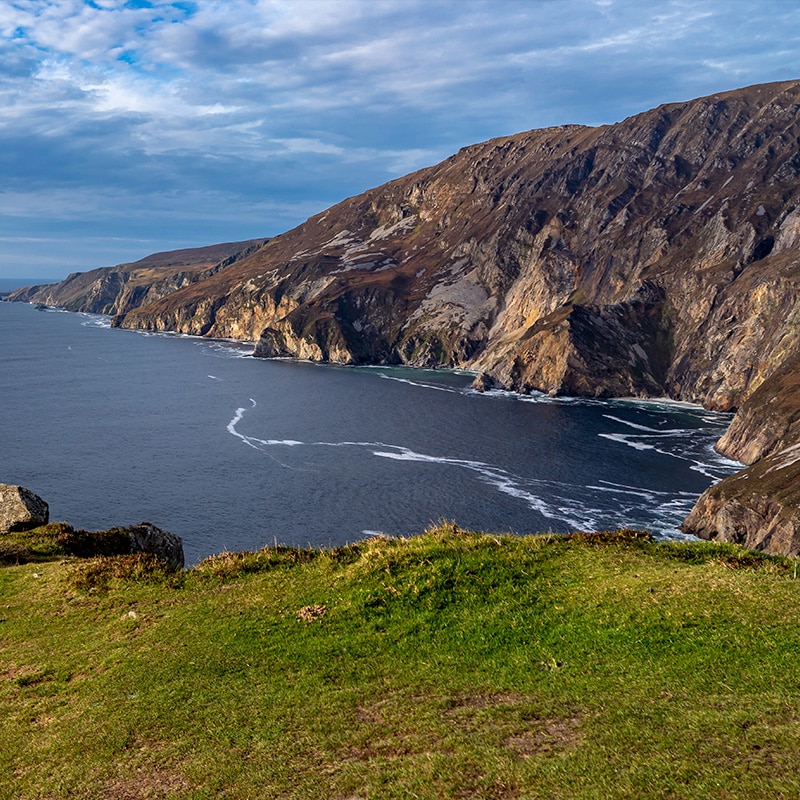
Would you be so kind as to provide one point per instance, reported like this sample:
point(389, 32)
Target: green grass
point(449, 665)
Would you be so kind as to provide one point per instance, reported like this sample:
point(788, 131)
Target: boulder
point(166, 546)
point(21, 509)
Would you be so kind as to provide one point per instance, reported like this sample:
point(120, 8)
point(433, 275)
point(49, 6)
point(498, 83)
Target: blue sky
point(133, 127)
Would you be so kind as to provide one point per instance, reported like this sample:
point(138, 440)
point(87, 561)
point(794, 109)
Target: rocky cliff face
point(667, 243)
point(758, 507)
point(115, 290)
point(657, 256)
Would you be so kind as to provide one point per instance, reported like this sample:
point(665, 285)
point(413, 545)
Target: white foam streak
point(503, 481)
point(574, 506)
point(633, 424)
point(627, 438)
point(713, 470)
point(93, 320)
point(417, 383)
point(645, 494)
point(237, 417)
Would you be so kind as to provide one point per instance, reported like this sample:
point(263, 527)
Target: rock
point(611, 350)
point(116, 290)
point(21, 509)
point(769, 420)
point(758, 507)
point(166, 546)
point(272, 344)
point(483, 382)
point(142, 538)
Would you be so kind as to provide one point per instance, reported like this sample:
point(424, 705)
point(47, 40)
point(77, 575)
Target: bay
point(114, 427)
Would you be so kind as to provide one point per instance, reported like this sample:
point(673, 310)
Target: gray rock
point(21, 509)
point(166, 546)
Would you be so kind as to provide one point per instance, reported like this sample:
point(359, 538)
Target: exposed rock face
point(666, 243)
point(613, 350)
point(769, 419)
point(758, 507)
point(657, 256)
point(21, 509)
point(142, 538)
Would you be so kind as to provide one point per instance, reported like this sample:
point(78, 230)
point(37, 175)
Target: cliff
point(115, 290)
point(758, 507)
point(654, 257)
point(446, 665)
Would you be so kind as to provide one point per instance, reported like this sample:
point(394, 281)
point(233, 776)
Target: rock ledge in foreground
point(142, 538)
point(166, 546)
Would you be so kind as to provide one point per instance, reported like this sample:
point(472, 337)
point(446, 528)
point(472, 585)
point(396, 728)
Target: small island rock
point(483, 382)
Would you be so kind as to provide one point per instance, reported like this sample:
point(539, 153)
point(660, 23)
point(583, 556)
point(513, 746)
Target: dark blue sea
point(230, 452)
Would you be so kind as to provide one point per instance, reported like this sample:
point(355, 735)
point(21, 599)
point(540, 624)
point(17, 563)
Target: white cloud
point(273, 101)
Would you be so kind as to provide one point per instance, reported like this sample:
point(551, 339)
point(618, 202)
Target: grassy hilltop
point(450, 665)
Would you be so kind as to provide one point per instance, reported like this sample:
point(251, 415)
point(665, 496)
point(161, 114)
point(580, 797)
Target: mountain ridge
point(117, 289)
point(654, 257)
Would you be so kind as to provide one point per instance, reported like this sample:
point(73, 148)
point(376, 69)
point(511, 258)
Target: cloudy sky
point(132, 127)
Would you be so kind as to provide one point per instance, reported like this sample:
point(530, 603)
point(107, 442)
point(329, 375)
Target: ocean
point(115, 427)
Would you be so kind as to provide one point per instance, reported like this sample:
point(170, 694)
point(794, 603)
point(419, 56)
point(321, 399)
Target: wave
point(419, 384)
point(569, 505)
point(645, 428)
point(710, 464)
point(91, 320)
point(538, 397)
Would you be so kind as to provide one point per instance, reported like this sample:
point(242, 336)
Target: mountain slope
point(673, 233)
point(115, 290)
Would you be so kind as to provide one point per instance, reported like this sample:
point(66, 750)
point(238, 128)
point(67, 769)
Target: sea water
point(115, 427)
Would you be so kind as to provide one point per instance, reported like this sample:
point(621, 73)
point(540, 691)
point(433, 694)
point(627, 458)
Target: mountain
point(115, 290)
point(654, 257)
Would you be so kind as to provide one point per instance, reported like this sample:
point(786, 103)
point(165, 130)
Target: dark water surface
point(230, 452)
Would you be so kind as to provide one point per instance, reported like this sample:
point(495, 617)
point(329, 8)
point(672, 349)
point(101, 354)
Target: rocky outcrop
point(758, 507)
point(21, 509)
point(769, 420)
point(614, 350)
point(165, 546)
point(142, 538)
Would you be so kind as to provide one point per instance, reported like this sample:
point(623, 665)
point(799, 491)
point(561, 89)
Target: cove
point(113, 427)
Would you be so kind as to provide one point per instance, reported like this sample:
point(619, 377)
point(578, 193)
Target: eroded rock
point(142, 538)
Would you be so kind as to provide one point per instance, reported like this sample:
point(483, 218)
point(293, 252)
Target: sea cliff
point(654, 257)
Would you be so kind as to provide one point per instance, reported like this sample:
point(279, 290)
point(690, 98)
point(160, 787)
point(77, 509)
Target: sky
point(129, 128)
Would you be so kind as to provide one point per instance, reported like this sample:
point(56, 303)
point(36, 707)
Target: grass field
point(448, 665)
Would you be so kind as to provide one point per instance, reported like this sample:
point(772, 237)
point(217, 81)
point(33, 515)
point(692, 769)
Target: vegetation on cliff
point(447, 665)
